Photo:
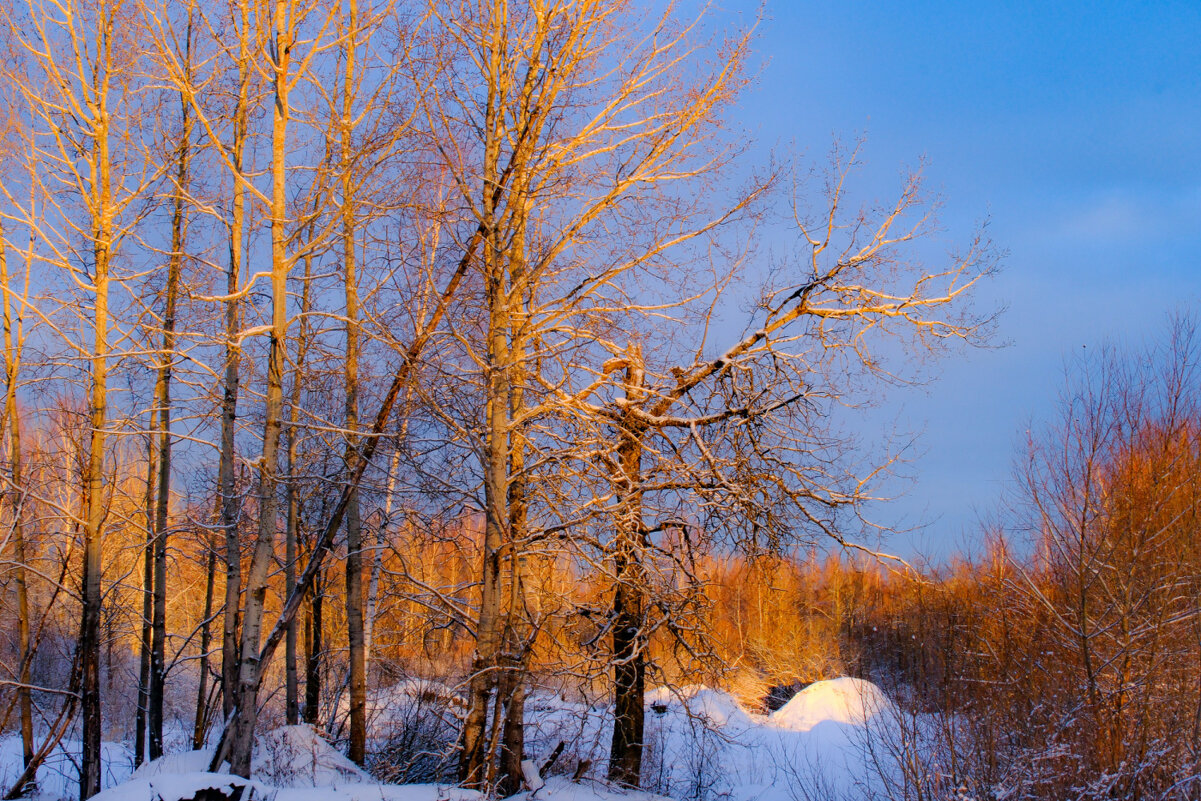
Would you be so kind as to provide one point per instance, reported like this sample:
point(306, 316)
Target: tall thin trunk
point(512, 746)
point(291, 688)
point(505, 289)
point(313, 648)
point(474, 756)
point(200, 727)
point(158, 663)
point(377, 556)
point(226, 485)
point(629, 658)
point(475, 760)
point(354, 527)
point(291, 498)
point(102, 213)
point(12, 361)
point(249, 668)
point(146, 643)
point(324, 541)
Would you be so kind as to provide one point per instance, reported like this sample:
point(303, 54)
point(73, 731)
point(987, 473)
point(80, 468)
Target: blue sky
point(1073, 127)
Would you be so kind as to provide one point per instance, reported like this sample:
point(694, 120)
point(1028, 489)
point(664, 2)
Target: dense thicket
point(1064, 661)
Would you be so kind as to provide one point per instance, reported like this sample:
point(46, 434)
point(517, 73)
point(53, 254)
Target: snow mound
point(171, 764)
point(169, 786)
point(718, 707)
point(291, 757)
point(843, 700)
point(186, 787)
point(560, 788)
point(297, 756)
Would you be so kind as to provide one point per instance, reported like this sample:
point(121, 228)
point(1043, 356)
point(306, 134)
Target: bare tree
point(354, 527)
point(287, 19)
point(87, 101)
point(574, 171)
point(226, 484)
point(167, 357)
point(737, 436)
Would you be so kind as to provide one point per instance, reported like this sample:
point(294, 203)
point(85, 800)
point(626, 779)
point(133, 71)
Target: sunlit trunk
point(102, 214)
point(146, 642)
point(241, 737)
point(475, 765)
point(354, 528)
point(200, 725)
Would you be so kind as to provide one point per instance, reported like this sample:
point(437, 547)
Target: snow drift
point(293, 763)
point(844, 700)
point(716, 707)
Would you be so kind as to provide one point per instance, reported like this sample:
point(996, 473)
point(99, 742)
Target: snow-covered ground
point(831, 740)
point(58, 776)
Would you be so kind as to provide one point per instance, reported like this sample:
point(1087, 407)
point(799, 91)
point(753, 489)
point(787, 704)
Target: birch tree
point(167, 357)
point(287, 17)
point(221, 89)
point(87, 103)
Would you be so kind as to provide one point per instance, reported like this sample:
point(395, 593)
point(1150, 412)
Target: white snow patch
point(560, 788)
point(702, 745)
point(183, 762)
point(179, 787)
point(58, 776)
point(845, 700)
point(170, 787)
point(717, 707)
point(297, 756)
point(291, 756)
point(529, 772)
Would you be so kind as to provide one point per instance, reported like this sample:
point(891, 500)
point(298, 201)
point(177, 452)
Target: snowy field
point(834, 739)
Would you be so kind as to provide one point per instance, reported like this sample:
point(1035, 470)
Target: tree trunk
point(292, 501)
point(146, 643)
point(512, 746)
point(226, 479)
point(93, 477)
point(291, 684)
point(475, 758)
point(158, 663)
point(512, 738)
point(354, 527)
point(312, 662)
point(629, 680)
point(629, 659)
point(200, 727)
point(93, 483)
point(241, 737)
point(377, 556)
point(12, 360)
